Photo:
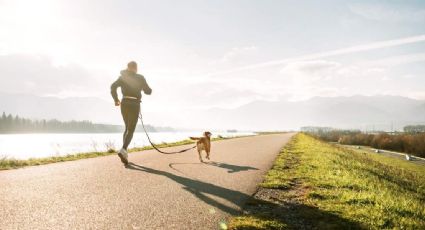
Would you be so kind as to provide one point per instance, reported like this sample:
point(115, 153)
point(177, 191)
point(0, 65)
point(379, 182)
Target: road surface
point(154, 192)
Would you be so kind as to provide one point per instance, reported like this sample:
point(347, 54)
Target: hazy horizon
point(200, 56)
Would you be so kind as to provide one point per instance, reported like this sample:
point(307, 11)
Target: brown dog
point(203, 143)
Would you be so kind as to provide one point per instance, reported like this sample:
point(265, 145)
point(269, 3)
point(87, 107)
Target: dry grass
point(322, 186)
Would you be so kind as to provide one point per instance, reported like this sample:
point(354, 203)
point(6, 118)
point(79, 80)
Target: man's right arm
point(114, 88)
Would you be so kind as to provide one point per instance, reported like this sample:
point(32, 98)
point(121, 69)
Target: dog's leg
point(200, 157)
point(208, 154)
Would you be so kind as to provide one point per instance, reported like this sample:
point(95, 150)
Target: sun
point(27, 25)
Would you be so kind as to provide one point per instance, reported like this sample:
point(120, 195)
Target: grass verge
point(7, 163)
point(316, 185)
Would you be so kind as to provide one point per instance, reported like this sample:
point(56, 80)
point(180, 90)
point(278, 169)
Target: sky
point(214, 54)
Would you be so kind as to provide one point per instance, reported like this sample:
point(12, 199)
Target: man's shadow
point(199, 189)
point(230, 168)
point(281, 212)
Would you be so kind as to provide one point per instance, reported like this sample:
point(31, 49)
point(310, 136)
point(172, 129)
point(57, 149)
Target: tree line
point(414, 129)
point(15, 124)
point(411, 141)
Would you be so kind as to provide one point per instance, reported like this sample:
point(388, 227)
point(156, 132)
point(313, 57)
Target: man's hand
point(117, 103)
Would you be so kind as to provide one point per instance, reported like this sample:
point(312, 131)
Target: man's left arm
point(146, 87)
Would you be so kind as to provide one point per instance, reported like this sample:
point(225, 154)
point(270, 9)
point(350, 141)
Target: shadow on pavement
point(199, 189)
point(297, 216)
point(230, 168)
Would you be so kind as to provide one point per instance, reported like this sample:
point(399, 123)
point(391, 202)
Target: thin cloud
point(388, 13)
point(237, 51)
point(398, 60)
point(331, 53)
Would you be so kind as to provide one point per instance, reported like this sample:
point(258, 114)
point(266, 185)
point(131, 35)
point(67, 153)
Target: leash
point(156, 148)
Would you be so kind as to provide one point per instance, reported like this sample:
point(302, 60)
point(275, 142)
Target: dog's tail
point(195, 138)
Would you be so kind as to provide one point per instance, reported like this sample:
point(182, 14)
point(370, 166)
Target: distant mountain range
point(362, 112)
point(79, 109)
point(35, 107)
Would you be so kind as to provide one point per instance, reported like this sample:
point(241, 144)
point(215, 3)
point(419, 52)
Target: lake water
point(24, 146)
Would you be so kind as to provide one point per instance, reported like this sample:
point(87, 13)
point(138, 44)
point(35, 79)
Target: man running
point(131, 85)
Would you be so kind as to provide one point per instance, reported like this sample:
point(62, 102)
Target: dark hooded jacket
point(131, 84)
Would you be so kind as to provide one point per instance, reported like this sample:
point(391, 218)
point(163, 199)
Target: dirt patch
point(284, 205)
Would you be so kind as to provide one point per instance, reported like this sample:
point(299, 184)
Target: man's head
point(132, 66)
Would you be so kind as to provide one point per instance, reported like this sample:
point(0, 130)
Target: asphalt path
point(154, 191)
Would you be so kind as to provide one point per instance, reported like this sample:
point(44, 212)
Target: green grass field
point(314, 184)
point(6, 163)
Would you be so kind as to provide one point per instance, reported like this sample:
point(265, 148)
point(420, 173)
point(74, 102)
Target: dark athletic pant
point(130, 113)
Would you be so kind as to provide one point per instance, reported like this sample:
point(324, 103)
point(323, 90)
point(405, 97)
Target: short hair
point(132, 64)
